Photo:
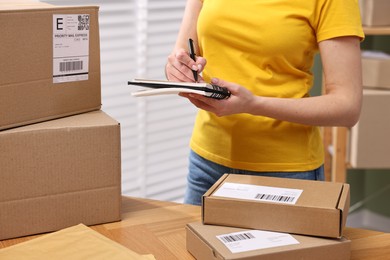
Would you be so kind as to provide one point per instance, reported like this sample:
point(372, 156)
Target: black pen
point(192, 55)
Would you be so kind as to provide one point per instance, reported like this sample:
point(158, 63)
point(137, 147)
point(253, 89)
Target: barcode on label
point(237, 237)
point(271, 197)
point(71, 66)
point(83, 22)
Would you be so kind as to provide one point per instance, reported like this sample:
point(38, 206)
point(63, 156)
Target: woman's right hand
point(180, 65)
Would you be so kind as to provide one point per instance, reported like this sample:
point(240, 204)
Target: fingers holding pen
point(200, 63)
point(180, 66)
point(197, 67)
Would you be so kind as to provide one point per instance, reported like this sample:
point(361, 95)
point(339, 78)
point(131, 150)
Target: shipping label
point(70, 47)
point(258, 193)
point(239, 242)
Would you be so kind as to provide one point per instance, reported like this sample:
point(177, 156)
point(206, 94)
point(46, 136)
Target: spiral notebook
point(161, 87)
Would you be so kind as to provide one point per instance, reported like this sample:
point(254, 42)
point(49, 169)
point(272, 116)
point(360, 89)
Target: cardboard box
point(275, 204)
point(375, 12)
point(376, 71)
point(22, 4)
point(202, 243)
point(60, 173)
point(47, 70)
point(369, 145)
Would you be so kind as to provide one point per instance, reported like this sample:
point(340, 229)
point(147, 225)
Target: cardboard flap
point(193, 243)
point(211, 190)
point(343, 206)
point(216, 185)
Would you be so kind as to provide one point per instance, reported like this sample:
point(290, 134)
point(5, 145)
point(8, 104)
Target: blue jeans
point(204, 173)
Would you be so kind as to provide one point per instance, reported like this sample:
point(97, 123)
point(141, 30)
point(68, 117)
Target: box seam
point(60, 194)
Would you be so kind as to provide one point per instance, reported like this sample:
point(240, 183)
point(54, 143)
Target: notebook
point(161, 87)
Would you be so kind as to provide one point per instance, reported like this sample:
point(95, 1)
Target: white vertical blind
point(136, 37)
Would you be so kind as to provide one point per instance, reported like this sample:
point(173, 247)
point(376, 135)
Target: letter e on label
point(60, 23)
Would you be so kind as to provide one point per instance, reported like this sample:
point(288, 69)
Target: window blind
point(136, 37)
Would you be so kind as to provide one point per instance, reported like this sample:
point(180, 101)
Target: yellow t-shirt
point(267, 46)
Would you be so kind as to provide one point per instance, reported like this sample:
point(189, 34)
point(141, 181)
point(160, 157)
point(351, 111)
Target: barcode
point(271, 197)
point(237, 237)
point(71, 66)
point(83, 22)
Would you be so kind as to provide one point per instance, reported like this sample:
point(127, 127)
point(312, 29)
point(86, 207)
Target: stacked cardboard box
point(375, 69)
point(253, 217)
point(60, 163)
point(212, 242)
point(50, 62)
point(369, 146)
point(59, 173)
point(375, 12)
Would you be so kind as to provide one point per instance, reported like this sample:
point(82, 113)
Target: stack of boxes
point(253, 217)
point(375, 12)
point(60, 159)
point(369, 145)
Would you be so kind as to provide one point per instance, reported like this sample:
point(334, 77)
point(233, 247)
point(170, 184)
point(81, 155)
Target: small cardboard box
point(375, 12)
point(278, 204)
point(60, 173)
point(49, 62)
point(203, 244)
point(376, 70)
point(369, 145)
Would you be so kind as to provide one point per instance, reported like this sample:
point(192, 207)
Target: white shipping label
point(258, 193)
point(255, 239)
point(70, 47)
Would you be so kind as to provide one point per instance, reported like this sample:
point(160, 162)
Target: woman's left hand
point(239, 101)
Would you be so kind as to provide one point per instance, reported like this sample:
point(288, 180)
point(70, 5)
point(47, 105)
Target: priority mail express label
point(70, 47)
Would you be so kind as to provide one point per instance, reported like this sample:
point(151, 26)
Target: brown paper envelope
point(77, 243)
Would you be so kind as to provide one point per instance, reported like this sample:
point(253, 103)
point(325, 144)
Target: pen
point(192, 55)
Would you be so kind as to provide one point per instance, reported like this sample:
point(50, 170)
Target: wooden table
point(158, 228)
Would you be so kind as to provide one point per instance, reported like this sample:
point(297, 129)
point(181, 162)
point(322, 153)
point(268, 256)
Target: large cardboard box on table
point(49, 62)
point(60, 173)
point(369, 145)
point(375, 68)
point(375, 12)
point(209, 242)
point(278, 204)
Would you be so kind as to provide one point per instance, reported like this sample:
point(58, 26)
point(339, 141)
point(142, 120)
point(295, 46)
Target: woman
point(263, 51)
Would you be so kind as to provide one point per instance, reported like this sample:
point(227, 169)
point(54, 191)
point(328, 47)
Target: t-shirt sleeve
point(335, 18)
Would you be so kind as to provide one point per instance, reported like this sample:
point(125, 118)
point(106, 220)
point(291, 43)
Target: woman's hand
point(180, 65)
point(239, 101)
